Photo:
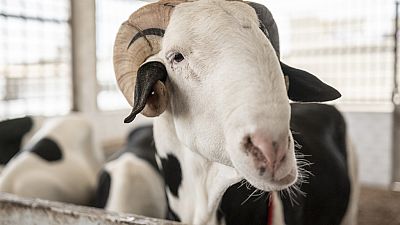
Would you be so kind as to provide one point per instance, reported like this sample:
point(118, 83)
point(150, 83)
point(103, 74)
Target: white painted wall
point(371, 135)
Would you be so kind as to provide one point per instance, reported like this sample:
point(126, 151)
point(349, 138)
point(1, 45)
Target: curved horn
point(138, 39)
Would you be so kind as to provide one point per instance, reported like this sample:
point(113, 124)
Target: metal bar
point(40, 19)
point(326, 51)
point(18, 210)
point(395, 52)
point(396, 112)
point(83, 25)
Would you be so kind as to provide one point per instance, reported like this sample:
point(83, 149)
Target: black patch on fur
point(11, 134)
point(150, 31)
point(236, 208)
point(321, 131)
point(140, 142)
point(47, 149)
point(103, 189)
point(172, 173)
point(171, 215)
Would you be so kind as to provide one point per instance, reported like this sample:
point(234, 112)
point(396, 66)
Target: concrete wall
point(371, 134)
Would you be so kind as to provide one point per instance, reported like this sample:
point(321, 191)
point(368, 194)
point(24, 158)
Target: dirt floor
point(379, 207)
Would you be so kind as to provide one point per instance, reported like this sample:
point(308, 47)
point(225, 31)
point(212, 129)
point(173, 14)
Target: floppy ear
point(151, 96)
point(13, 129)
point(305, 87)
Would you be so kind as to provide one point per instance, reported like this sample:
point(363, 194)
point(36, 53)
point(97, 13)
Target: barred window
point(35, 70)
point(347, 43)
point(110, 14)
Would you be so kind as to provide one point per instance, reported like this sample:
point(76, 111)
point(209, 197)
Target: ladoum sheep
point(130, 182)
point(14, 133)
point(54, 158)
point(209, 71)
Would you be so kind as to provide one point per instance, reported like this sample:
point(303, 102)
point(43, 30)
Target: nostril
point(266, 150)
point(249, 147)
point(247, 143)
point(275, 145)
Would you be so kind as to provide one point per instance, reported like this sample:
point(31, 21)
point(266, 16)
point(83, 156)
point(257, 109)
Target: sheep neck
point(203, 182)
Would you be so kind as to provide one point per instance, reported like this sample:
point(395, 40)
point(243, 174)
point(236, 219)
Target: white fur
point(72, 179)
point(245, 95)
point(278, 214)
point(135, 187)
point(229, 86)
point(213, 107)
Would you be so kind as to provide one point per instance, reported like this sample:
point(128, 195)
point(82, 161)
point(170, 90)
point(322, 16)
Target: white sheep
point(209, 71)
point(60, 163)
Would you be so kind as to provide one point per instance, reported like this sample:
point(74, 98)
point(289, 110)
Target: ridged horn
point(139, 38)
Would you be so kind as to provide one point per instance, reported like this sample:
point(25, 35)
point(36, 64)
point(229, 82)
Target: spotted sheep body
point(209, 72)
point(53, 158)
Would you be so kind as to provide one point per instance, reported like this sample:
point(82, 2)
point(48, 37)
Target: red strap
point(270, 210)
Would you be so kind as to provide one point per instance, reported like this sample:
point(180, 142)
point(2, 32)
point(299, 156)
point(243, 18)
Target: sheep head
point(217, 60)
point(138, 39)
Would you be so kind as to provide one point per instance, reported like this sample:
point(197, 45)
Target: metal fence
point(35, 75)
point(109, 16)
point(347, 43)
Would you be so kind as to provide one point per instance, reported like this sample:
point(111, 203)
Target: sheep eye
point(178, 57)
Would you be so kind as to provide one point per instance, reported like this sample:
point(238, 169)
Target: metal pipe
point(396, 111)
point(32, 18)
point(83, 26)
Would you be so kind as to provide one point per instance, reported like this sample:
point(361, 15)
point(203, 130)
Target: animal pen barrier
point(15, 210)
point(35, 69)
point(348, 43)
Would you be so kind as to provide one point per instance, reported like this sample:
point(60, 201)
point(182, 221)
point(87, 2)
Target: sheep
point(60, 163)
point(14, 134)
point(210, 74)
point(130, 182)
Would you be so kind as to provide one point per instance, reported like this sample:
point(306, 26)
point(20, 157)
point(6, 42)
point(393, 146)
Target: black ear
point(12, 132)
point(13, 129)
point(305, 87)
point(147, 77)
